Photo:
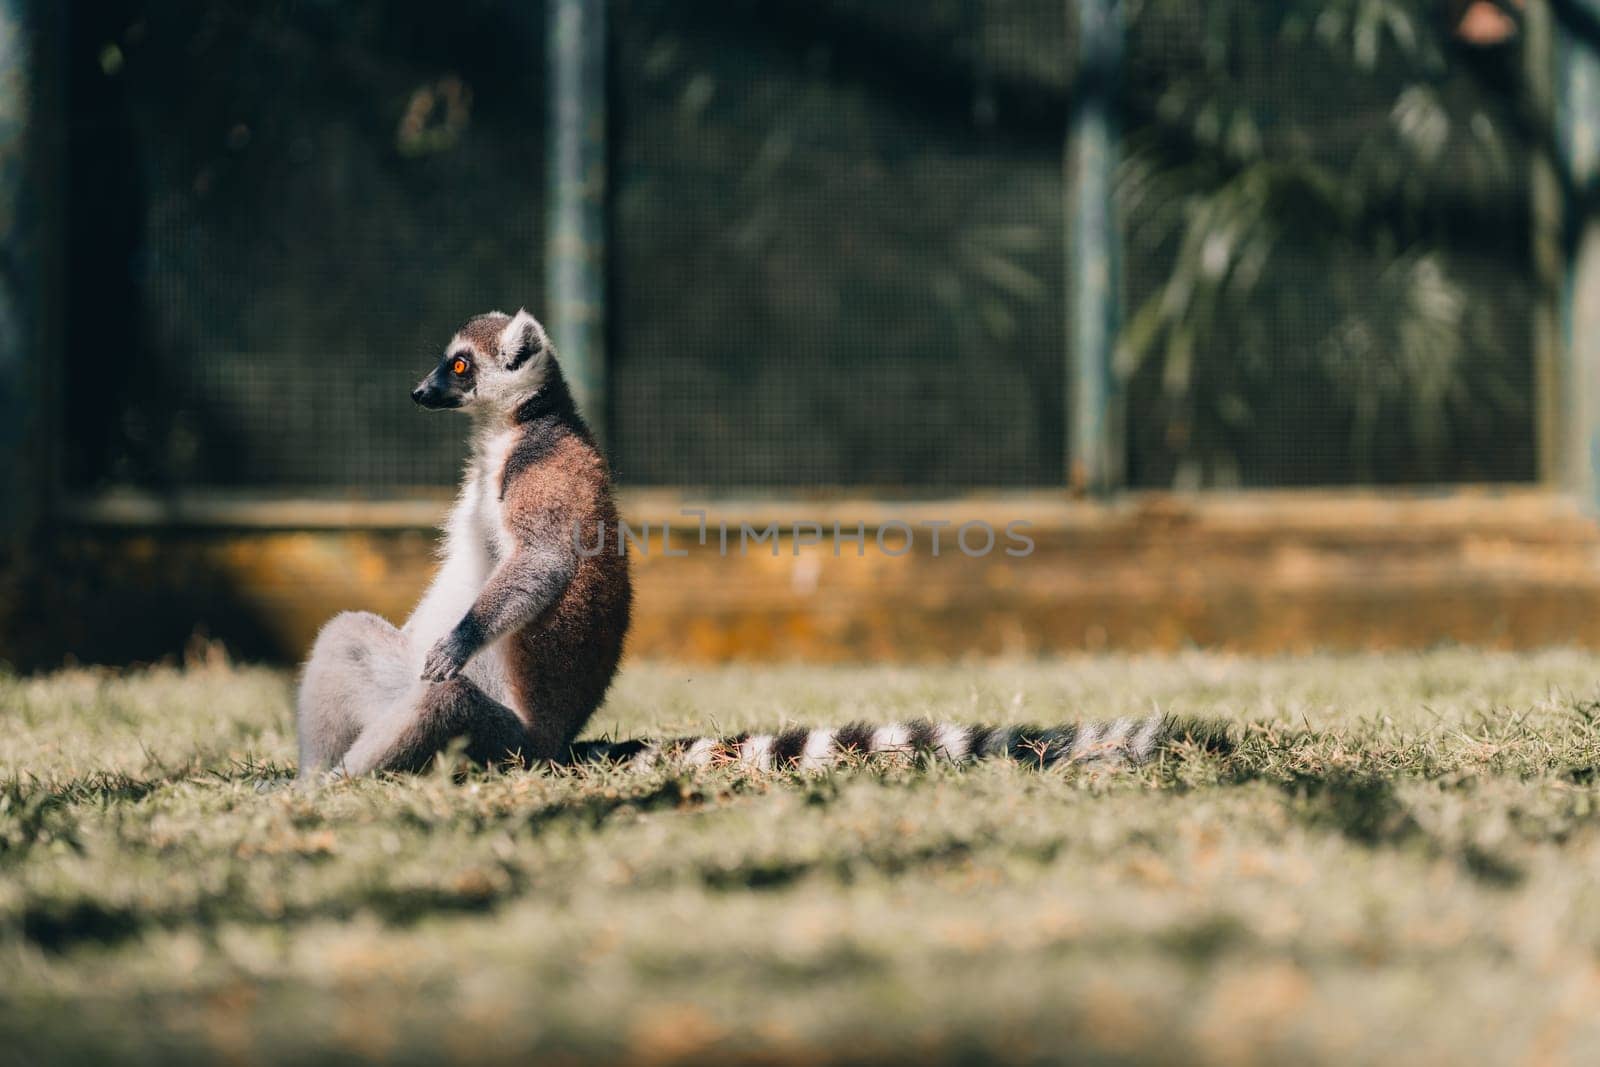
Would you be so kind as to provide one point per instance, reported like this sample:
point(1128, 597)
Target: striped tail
point(1124, 741)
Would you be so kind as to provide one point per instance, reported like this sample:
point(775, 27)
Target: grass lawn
point(1400, 862)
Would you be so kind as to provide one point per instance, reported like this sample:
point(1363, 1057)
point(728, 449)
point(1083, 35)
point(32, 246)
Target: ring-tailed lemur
point(516, 641)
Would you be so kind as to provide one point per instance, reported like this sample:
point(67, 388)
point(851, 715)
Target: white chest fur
point(488, 466)
point(476, 539)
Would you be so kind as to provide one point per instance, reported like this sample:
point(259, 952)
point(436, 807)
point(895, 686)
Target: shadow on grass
point(57, 925)
point(1363, 808)
point(1366, 809)
point(777, 874)
point(42, 814)
point(35, 812)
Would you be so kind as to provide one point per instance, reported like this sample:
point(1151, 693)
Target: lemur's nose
point(416, 394)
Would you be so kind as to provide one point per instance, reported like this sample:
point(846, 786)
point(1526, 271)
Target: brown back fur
point(556, 484)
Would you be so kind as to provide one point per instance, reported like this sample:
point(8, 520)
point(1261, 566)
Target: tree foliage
point(1338, 192)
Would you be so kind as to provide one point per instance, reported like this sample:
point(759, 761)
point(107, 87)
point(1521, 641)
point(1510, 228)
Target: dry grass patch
point(1399, 861)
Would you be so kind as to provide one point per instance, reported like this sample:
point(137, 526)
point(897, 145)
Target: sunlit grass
point(1400, 861)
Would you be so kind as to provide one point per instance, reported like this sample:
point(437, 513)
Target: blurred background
point(1276, 321)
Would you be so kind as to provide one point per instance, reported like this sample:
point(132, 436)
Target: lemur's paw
point(444, 661)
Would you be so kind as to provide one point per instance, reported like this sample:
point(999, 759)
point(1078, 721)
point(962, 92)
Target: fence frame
point(1575, 102)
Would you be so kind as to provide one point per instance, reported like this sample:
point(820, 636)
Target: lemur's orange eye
point(459, 366)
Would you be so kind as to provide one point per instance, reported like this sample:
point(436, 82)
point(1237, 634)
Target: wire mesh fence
point(840, 249)
point(279, 214)
point(838, 240)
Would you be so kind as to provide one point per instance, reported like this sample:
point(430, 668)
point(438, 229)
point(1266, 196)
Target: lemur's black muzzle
point(437, 393)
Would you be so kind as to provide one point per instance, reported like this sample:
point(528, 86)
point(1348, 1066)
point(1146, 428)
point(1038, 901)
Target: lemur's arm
point(518, 591)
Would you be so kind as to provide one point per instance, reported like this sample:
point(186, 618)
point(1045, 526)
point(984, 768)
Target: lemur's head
point(492, 364)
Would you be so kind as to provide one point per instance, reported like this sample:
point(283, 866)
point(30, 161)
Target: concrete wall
point(1269, 573)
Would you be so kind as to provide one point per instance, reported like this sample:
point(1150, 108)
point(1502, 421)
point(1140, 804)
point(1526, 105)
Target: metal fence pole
point(21, 368)
point(1093, 463)
point(1547, 217)
point(576, 199)
point(1577, 111)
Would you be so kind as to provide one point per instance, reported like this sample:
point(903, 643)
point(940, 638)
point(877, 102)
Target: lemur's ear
point(521, 340)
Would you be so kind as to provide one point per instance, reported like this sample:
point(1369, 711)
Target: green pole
point(21, 374)
point(576, 200)
point(1093, 465)
point(1577, 110)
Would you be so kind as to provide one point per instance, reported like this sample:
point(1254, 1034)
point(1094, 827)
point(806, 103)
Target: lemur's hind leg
point(412, 734)
point(358, 670)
